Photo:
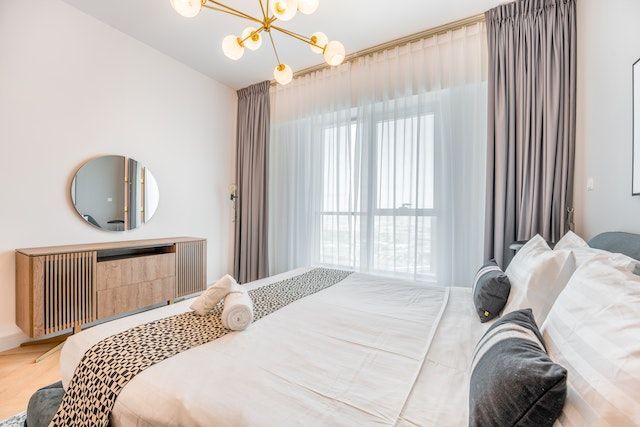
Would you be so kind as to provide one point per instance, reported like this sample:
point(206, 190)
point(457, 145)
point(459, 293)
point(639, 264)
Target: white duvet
point(366, 351)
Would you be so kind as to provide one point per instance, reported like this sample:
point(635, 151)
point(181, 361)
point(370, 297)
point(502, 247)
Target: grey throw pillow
point(44, 404)
point(513, 380)
point(491, 289)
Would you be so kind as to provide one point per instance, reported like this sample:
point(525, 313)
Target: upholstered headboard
point(618, 242)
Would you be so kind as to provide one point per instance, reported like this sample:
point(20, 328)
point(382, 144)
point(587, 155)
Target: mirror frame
point(143, 212)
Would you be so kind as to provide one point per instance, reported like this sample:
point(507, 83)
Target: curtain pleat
point(531, 122)
point(251, 230)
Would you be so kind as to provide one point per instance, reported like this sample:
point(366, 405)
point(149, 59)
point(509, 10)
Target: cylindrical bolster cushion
point(491, 289)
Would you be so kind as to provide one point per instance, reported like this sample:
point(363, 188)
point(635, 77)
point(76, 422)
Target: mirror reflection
point(115, 193)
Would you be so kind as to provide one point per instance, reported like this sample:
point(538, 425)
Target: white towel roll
point(213, 295)
point(237, 313)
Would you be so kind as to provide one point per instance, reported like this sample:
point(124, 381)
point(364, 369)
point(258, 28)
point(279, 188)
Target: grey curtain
point(532, 121)
point(251, 178)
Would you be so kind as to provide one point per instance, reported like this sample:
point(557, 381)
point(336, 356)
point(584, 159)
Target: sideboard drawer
point(127, 298)
point(128, 271)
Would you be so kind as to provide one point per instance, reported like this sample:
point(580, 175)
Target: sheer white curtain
point(379, 165)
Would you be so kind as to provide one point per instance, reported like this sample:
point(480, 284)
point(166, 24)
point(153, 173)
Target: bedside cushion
point(513, 380)
point(44, 404)
point(537, 275)
point(571, 241)
point(490, 291)
point(593, 330)
point(583, 252)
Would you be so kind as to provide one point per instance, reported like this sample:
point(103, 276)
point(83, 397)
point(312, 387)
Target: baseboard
point(12, 340)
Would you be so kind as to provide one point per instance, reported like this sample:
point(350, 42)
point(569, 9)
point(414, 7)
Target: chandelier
point(233, 46)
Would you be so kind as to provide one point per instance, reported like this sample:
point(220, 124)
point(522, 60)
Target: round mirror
point(115, 193)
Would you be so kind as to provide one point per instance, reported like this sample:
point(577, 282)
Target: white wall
point(72, 88)
point(608, 45)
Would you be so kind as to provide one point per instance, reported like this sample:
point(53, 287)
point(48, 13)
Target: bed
point(367, 351)
point(372, 350)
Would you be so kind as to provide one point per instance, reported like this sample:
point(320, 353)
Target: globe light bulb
point(284, 10)
point(283, 74)
point(232, 48)
point(252, 39)
point(320, 40)
point(334, 53)
point(187, 8)
point(308, 6)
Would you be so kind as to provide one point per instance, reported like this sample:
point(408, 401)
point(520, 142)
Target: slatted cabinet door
point(68, 286)
point(191, 267)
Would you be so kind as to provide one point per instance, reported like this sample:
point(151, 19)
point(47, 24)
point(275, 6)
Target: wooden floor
point(20, 377)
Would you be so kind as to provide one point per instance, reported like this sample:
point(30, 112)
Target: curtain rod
point(441, 29)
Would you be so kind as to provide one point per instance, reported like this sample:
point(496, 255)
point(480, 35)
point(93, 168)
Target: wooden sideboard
point(64, 287)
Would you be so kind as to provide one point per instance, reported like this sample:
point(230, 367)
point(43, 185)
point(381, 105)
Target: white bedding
point(368, 350)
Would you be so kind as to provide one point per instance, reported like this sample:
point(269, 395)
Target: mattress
point(367, 351)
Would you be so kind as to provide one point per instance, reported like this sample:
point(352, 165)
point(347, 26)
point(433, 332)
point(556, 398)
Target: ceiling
point(196, 42)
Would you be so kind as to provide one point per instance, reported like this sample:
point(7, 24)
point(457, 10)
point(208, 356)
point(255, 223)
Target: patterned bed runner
point(110, 364)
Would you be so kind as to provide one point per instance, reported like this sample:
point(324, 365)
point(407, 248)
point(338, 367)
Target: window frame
point(371, 211)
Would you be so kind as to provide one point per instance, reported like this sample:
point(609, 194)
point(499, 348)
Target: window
point(381, 166)
point(378, 209)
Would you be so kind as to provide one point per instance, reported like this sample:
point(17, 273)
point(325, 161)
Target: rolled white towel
point(237, 313)
point(213, 295)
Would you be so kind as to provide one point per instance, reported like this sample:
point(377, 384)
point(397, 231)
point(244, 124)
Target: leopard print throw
point(111, 363)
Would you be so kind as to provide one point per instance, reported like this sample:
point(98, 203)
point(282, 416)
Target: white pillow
point(571, 241)
point(584, 253)
point(538, 275)
point(593, 330)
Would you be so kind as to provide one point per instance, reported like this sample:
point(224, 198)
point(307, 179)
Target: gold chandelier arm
point(217, 9)
point(274, 48)
point(232, 11)
point(264, 11)
point(251, 34)
point(297, 36)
